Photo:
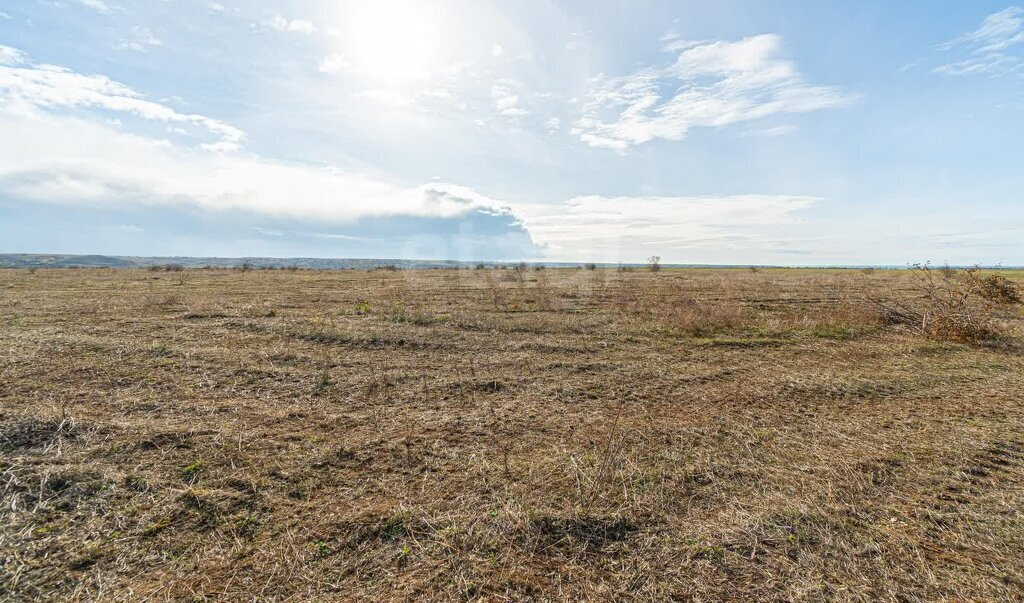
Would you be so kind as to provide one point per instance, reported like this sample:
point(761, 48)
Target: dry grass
point(501, 435)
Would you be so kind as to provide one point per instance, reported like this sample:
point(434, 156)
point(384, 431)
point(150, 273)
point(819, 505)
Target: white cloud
point(4, 16)
point(989, 64)
point(97, 5)
point(995, 47)
point(998, 31)
point(68, 160)
point(497, 50)
point(596, 226)
point(334, 64)
point(10, 56)
point(140, 40)
point(710, 84)
point(73, 161)
point(280, 23)
point(30, 85)
point(333, 235)
point(506, 99)
point(62, 155)
point(672, 42)
point(770, 132)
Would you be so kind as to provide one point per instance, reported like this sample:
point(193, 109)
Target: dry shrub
point(543, 295)
point(499, 297)
point(999, 289)
point(519, 271)
point(959, 305)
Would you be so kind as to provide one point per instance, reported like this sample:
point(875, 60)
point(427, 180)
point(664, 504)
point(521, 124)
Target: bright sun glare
point(390, 39)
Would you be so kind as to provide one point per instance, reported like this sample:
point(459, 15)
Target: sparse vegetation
point(957, 305)
point(519, 270)
point(511, 435)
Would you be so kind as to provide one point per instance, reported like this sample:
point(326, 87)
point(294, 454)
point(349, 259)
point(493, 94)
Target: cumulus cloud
point(710, 84)
point(29, 85)
point(994, 47)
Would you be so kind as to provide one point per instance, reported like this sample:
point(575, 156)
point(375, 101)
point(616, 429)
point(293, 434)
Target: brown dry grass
point(489, 435)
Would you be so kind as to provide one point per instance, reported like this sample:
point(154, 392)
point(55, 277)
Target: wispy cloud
point(28, 85)
point(141, 39)
point(96, 5)
point(595, 225)
point(506, 98)
point(770, 132)
point(994, 47)
point(334, 64)
point(710, 84)
point(280, 23)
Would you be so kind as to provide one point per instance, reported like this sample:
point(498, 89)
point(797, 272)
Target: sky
point(701, 131)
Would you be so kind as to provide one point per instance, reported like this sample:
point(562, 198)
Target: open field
point(474, 435)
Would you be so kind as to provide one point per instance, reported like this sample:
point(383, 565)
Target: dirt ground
point(493, 435)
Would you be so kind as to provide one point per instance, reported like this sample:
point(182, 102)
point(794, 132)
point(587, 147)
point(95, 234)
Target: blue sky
point(703, 131)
